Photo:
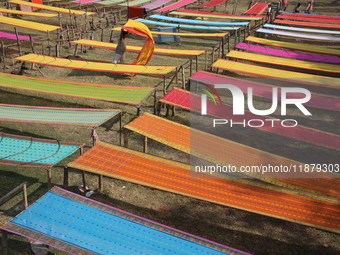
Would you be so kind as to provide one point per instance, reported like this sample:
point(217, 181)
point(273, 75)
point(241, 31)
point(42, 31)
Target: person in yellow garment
point(121, 48)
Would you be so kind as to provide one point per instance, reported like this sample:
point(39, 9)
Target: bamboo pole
point(4, 242)
point(24, 191)
point(3, 56)
point(18, 40)
point(65, 177)
point(126, 138)
point(145, 146)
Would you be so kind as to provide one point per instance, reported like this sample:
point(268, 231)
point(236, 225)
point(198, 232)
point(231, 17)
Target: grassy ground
point(246, 231)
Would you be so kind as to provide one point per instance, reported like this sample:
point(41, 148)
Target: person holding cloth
point(310, 6)
point(121, 48)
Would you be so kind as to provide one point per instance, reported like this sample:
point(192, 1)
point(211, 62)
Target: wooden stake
point(84, 181)
point(49, 178)
point(24, 190)
point(100, 183)
point(120, 128)
point(3, 55)
point(49, 43)
point(32, 46)
point(4, 242)
point(65, 177)
point(18, 40)
point(126, 138)
point(145, 147)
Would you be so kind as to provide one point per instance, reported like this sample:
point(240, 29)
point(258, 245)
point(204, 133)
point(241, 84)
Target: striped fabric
point(27, 24)
point(121, 163)
point(134, 3)
point(295, 64)
point(312, 15)
point(95, 66)
point(309, 18)
point(288, 54)
point(211, 3)
point(299, 35)
point(163, 51)
point(113, 93)
point(264, 90)
point(219, 35)
point(36, 14)
point(257, 9)
point(55, 115)
point(175, 6)
point(165, 24)
point(299, 29)
point(193, 102)
point(305, 24)
point(224, 152)
point(155, 4)
point(214, 15)
point(273, 73)
point(197, 22)
point(14, 36)
point(79, 225)
point(294, 46)
point(28, 151)
point(51, 8)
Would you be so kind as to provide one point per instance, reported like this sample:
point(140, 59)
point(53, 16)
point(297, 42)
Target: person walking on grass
point(121, 48)
point(310, 6)
point(269, 12)
point(297, 8)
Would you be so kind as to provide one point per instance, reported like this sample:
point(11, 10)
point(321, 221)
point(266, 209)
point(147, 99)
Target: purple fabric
point(14, 37)
point(175, 5)
point(288, 54)
point(156, 4)
point(265, 90)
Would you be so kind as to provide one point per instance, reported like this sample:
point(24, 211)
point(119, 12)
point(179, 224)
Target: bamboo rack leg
point(65, 177)
point(126, 138)
point(49, 178)
point(84, 181)
point(18, 40)
point(24, 190)
point(145, 147)
point(4, 242)
point(100, 183)
point(3, 56)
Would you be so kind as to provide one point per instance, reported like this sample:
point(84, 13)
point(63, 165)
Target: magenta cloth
point(155, 4)
point(265, 90)
point(84, 1)
point(288, 54)
point(212, 3)
point(187, 100)
point(14, 37)
point(175, 5)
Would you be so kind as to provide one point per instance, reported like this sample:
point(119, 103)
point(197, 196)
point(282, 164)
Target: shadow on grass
point(23, 133)
point(10, 180)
